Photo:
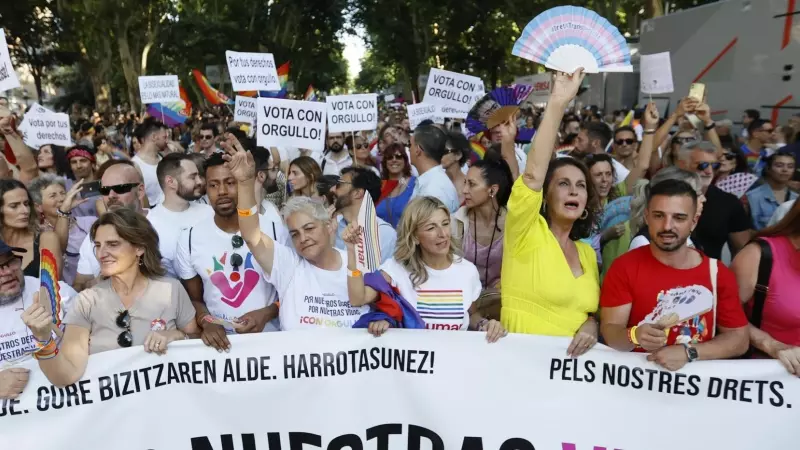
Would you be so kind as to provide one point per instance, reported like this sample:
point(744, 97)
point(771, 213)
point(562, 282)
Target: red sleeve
point(730, 313)
point(615, 290)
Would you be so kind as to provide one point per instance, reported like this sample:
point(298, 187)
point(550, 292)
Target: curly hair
point(584, 226)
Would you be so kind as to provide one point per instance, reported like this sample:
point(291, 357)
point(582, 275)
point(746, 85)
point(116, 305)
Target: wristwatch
point(691, 352)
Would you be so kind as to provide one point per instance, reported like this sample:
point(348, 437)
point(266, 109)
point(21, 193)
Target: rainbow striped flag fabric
point(283, 78)
point(49, 295)
point(172, 114)
point(212, 95)
point(311, 95)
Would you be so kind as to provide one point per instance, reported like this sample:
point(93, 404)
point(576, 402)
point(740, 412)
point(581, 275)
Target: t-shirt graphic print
point(441, 309)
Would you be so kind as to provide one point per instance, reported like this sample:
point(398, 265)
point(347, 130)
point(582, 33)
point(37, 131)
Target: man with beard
point(668, 298)
point(223, 279)
point(16, 340)
point(122, 186)
point(354, 184)
point(335, 158)
point(152, 137)
point(180, 181)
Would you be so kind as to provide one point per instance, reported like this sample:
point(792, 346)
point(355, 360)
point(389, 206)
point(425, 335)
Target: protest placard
point(452, 89)
point(38, 109)
point(47, 128)
point(159, 89)
point(252, 71)
point(656, 74)
point(8, 78)
point(423, 111)
point(245, 110)
point(291, 123)
point(541, 86)
point(352, 112)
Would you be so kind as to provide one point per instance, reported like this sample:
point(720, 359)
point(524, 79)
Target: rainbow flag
point(477, 152)
point(49, 295)
point(283, 78)
point(172, 114)
point(212, 95)
point(310, 96)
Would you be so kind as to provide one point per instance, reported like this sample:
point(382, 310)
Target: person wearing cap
point(83, 164)
point(18, 293)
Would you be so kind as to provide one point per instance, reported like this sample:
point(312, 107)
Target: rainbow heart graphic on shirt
point(234, 287)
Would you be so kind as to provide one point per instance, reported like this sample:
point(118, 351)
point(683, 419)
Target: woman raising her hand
point(549, 280)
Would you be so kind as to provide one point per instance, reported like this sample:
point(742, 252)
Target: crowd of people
point(675, 236)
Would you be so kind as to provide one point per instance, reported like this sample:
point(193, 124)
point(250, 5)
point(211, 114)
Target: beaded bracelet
point(42, 357)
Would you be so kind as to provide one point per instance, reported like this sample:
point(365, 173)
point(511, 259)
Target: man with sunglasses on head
point(223, 279)
point(122, 186)
point(724, 218)
point(335, 158)
point(152, 137)
point(16, 341)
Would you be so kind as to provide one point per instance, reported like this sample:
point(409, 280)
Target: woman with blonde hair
point(304, 173)
point(427, 271)
point(134, 305)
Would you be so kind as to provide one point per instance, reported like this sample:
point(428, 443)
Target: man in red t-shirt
point(660, 298)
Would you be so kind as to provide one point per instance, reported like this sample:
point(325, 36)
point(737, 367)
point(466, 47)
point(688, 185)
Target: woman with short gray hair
point(54, 205)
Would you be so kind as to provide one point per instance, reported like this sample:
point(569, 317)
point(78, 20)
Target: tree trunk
point(654, 8)
point(129, 69)
point(37, 81)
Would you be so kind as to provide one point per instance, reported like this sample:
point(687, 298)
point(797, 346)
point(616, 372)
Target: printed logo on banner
point(291, 123)
point(159, 89)
point(8, 78)
point(245, 111)
point(352, 112)
point(252, 71)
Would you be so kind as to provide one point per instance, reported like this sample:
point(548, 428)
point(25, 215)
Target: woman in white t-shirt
point(425, 269)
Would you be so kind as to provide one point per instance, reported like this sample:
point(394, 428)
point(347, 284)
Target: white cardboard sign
point(423, 111)
point(541, 86)
point(245, 110)
point(159, 89)
point(656, 74)
point(47, 128)
point(291, 123)
point(252, 71)
point(452, 89)
point(8, 78)
point(352, 112)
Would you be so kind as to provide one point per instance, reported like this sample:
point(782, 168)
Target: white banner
point(46, 128)
point(8, 78)
point(159, 89)
point(541, 86)
point(405, 390)
point(352, 112)
point(252, 71)
point(453, 89)
point(656, 74)
point(245, 111)
point(291, 123)
point(423, 111)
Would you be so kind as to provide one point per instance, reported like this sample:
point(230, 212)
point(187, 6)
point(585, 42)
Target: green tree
point(375, 74)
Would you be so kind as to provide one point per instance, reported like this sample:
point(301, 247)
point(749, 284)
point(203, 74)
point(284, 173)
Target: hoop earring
point(585, 214)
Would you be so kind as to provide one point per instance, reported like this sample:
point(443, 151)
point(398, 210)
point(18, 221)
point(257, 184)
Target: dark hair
point(365, 179)
point(598, 130)
point(593, 158)
point(432, 141)
point(137, 230)
point(110, 163)
point(98, 140)
point(627, 128)
point(730, 146)
point(213, 160)
point(59, 160)
point(310, 169)
point(457, 141)
point(494, 170)
point(583, 227)
point(752, 113)
point(770, 160)
point(170, 165)
point(672, 188)
point(755, 125)
point(392, 149)
point(261, 158)
point(212, 126)
point(148, 127)
point(8, 185)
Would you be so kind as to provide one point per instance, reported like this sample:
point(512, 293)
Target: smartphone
point(698, 91)
point(91, 189)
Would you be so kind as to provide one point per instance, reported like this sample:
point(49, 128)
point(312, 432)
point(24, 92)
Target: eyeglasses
point(236, 259)
point(706, 165)
point(118, 188)
point(125, 339)
point(730, 156)
point(360, 146)
point(396, 156)
point(206, 137)
point(12, 264)
point(683, 140)
point(625, 141)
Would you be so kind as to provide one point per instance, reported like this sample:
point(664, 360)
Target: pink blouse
point(781, 316)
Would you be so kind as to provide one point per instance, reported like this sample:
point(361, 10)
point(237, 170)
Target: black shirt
point(723, 214)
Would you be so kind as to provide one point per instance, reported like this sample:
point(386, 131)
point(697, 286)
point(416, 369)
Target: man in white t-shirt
point(428, 146)
point(152, 137)
point(122, 187)
point(218, 270)
point(180, 180)
point(16, 341)
point(312, 283)
point(335, 157)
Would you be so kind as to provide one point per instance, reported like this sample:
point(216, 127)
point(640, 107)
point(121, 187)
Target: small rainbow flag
point(49, 295)
point(283, 78)
point(310, 96)
point(212, 95)
point(477, 152)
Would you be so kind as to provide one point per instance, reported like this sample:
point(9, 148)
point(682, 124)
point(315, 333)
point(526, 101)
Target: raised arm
point(650, 122)
point(565, 87)
point(508, 132)
point(28, 169)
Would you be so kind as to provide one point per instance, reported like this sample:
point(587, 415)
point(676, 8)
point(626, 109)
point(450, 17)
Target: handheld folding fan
point(498, 106)
point(567, 37)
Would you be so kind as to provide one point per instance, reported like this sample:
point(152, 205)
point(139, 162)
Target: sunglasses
point(706, 165)
point(118, 188)
point(683, 140)
point(396, 156)
point(236, 259)
point(360, 146)
point(125, 339)
point(625, 141)
point(205, 137)
point(730, 156)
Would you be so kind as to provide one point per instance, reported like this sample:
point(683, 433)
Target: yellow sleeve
point(524, 218)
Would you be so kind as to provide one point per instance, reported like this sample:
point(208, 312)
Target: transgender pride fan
point(567, 37)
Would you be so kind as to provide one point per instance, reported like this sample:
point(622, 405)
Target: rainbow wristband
point(46, 356)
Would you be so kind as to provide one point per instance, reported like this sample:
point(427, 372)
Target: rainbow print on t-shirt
point(441, 309)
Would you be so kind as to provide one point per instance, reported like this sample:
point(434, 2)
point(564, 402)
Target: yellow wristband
point(248, 212)
point(354, 273)
point(633, 335)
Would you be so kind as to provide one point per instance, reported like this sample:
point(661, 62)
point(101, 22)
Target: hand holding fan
point(497, 107)
point(567, 37)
